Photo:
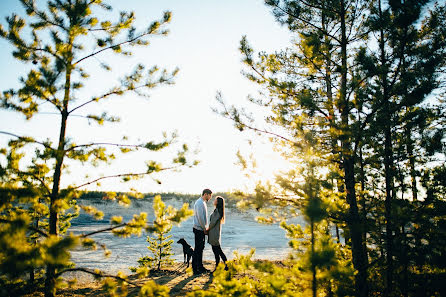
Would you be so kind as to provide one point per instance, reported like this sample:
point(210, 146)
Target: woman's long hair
point(221, 208)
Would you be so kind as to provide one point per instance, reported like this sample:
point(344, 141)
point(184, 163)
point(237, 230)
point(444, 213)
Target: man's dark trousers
point(197, 259)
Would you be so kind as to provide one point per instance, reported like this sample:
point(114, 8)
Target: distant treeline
point(231, 199)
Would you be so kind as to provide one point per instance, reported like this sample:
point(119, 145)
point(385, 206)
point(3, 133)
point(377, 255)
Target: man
point(200, 227)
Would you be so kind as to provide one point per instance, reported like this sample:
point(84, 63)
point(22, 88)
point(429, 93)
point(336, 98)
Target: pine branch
point(293, 199)
point(115, 92)
point(326, 57)
point(30, 140)
point(53, 102)
point(269, 133)
point(30, 227)
point(315, 6)
point(269, 81)
point(122, 175)
point(42, 182)
point(55, 113)
point(46, 51)
point(92, 1)
point(398, 69)
point(227, 115)
point(42, 16)
point(112, 46)
point(103, 230)
point(287, 12)
point(317, 108)
point(107, 144)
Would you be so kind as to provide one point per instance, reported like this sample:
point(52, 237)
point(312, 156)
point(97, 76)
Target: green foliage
point(152, 289)
point(331, 261)
point(247, 277)
point(307, 191)
point(160, 245)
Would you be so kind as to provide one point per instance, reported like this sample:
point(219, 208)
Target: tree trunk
point(160, 251)
point(329, 289)
point(363, 199)
point(50, 278)
point(388, 162)
point(313, 267)
point(32, 276)
point(405, 260)
point(354, 220)
point(50, 281)
point(356, 232)
point(413, 172)
point(338, 237)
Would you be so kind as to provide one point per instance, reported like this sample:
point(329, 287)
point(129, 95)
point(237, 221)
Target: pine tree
point(160, 245)
point(316, 250)
point(401, 72)
point(307, 190)
point(313, 84)
point(65, 36)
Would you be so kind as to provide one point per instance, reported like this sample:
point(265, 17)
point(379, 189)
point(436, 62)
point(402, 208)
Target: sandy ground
point(178, 278)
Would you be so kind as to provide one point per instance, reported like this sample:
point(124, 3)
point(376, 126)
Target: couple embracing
point(211, 229)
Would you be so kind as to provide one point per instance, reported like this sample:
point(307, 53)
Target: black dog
point(188, 251)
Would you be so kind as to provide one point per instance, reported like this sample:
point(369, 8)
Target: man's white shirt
point(200, 215)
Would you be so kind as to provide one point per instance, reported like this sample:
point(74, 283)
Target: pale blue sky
point(203, 42)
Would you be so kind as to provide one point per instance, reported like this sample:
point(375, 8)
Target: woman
point(214, 231)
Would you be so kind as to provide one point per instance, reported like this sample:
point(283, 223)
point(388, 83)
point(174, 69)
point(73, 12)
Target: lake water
point(239, 233)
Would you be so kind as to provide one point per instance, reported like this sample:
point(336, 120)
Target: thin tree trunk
point(338, 237)
point(160, 251)
point(330, 101)
point(402, 184)
point(388, 162)
point(50, 278)
point(329, 289)
point(50, 281)
point(362, 198)
point(413, 172)
point(313, 267)
point(405, 286)
point(32, 276)
point(354, 220)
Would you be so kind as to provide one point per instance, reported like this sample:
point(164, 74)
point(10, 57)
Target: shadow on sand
point(178, 278)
